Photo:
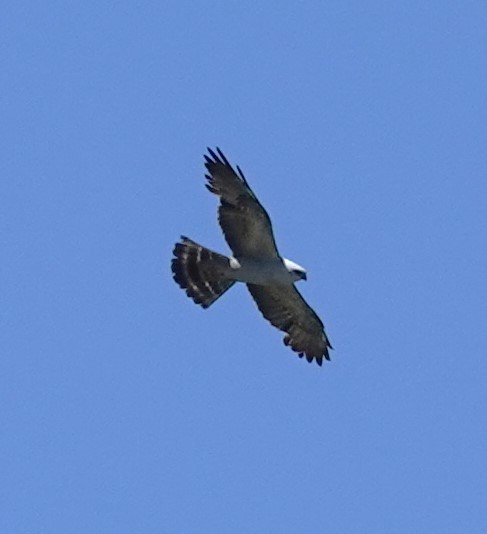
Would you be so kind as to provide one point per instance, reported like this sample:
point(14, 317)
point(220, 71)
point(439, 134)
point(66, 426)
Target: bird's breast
point(260, 271)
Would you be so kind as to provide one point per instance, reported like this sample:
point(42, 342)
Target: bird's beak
point(304, 277)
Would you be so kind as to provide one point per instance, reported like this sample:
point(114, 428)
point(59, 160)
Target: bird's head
point(296, 271)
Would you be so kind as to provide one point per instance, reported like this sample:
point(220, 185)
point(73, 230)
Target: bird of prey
point(205, 275)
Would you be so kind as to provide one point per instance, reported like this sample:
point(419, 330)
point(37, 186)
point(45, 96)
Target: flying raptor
point(270, 278)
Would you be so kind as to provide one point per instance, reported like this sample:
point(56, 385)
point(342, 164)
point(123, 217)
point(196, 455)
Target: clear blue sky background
point(362, 127)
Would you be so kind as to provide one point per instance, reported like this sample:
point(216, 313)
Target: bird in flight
point(205, 275)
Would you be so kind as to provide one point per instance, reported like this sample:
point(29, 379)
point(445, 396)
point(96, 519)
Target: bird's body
point(262, 271)
point(206, 275)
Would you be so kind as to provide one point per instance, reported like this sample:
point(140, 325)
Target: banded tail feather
point(200, 271)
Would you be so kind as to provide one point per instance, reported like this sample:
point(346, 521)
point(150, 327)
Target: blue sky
point(362, 128)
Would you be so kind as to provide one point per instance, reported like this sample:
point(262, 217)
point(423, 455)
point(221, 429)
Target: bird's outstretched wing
point(284, 307)
point(245, 223)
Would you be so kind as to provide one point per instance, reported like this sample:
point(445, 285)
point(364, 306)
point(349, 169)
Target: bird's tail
point(200, 271)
